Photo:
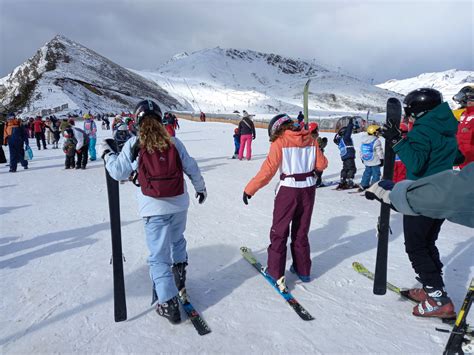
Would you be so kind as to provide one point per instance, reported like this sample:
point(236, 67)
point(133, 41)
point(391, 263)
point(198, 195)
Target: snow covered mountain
point(224, 80)
point(448, 82)
point(65, 72)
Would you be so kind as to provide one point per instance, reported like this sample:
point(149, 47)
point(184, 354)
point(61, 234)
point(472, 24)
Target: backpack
point(160, 174)
point(367, 151)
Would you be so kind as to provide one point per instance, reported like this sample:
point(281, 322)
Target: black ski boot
point(170, 310)
point(179, 272)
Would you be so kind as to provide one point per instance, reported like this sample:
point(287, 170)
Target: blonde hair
point(153, 136)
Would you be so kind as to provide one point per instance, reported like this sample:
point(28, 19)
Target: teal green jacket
point(431, 146)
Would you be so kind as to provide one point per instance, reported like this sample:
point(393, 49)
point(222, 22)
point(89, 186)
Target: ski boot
point(170, 310)
point(303, 278)
point(179, 272)
point(417, 294)
point(437, 304)
point(342, 185)
point(350, 184)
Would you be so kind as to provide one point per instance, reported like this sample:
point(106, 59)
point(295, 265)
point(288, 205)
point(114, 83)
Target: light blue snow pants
point(166, 243)
point(92, 152)
point(370, 176)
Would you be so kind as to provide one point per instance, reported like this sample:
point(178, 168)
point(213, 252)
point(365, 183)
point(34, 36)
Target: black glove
point(107, 146)
point(381, 162)
point(391, 132)
point(201, 196)
point(246, 197)
point(253, 137)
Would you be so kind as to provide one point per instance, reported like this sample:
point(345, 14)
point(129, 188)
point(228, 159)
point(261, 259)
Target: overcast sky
point(370, 39)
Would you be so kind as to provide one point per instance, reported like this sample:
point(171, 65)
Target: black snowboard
point(394, 115)
point(120, 305)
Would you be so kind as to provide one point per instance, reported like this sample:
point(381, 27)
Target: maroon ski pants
point(292, 206)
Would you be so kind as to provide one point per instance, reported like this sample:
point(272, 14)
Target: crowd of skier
point(429, 143)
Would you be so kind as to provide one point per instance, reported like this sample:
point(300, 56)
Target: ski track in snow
point(57, 282)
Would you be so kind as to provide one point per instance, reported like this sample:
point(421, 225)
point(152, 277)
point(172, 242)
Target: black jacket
point(246, 126)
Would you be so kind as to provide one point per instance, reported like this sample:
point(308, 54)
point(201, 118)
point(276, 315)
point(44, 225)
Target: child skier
point(296, 154)
point(429, 148)
point(91, 130)
point(236, 143)
point(69, 148)
point(343, 140)
point(313, 127)
point(371, 154)
point(162, 197)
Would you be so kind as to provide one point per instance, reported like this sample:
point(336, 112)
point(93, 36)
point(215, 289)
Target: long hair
point(284, 127)
point(153, 136)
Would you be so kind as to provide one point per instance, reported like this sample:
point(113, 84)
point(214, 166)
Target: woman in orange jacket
point(297, 156)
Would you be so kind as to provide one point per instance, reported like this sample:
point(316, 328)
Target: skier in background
point(371, 154)
point(313, 127)
point(69, 148)
point(465, 134)
point(236, 143)
point(399, 169)
point(343, 140)
point(300, 118)
point(429, 148)
point(202, 117)
point(296, 154)
point(82, 147)
point(90, 128)
point(16, 136)
point(247, 134)
point(164, 205)
point(39, 127)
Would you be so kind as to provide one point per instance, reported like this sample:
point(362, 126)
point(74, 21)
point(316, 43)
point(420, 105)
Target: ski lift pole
point(305, 103)
point(197, 103)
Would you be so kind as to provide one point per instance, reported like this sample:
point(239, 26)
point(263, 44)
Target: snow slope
point(56, 280)
point(223, 80)
point(449, 82)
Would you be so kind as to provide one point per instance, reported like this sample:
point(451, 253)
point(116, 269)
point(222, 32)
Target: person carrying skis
point(429, 148)
point(247, 134)
point(90, 128)
point(371, 154)
point(465, 134)
point(343, 140)
point(16, 136)
point(296, 154)
point(163, 200)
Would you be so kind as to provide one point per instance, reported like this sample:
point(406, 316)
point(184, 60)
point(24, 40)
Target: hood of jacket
point(440, 119)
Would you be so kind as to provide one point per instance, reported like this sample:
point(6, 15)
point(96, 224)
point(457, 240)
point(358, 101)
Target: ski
point(120, 305)
point(394, 115)
point(361, 269)
point(328, 184)
point(294, 304)
point(198, 322)
point(306, 103)
point(461, 329)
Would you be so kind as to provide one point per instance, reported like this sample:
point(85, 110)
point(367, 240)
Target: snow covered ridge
point(65, 72)
point(447, 82)
point(222, 80)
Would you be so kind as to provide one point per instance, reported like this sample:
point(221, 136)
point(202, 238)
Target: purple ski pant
point(292, 206)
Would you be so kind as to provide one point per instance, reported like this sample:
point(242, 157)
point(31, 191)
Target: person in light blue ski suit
point(91, 130)
point(164, 217)
point(371, 154)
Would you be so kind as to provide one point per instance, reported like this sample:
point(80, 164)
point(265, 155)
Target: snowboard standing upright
point(394, 114)
point(120, 306)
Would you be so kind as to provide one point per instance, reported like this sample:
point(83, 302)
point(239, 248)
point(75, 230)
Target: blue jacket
point(18, 137)
point(120, 167)
point(345, 143)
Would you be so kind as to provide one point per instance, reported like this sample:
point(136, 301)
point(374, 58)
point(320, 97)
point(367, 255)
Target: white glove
point(106, 147)
point(201, 196)
point(380, 191)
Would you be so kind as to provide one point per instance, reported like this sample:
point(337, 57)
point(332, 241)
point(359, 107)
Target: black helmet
point(464, 95)
point(420, 101)
point(281, 118)
point(147, 108)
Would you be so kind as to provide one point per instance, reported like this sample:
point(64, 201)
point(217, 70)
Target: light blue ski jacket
point(120, 167)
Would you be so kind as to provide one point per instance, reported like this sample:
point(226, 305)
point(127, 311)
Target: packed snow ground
point(56, 280)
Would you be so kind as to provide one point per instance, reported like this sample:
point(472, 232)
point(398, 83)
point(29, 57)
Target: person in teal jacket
point(429, 148)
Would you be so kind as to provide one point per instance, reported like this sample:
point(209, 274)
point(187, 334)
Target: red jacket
point(465, 135)
point(38, 126)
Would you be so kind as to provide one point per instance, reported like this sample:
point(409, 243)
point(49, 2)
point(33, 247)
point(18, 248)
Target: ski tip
point(380, 291)
point(244, 249)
